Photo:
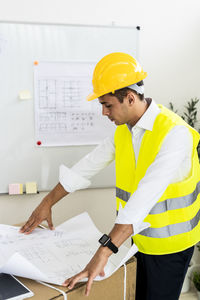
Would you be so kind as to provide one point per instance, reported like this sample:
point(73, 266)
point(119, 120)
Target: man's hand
point(95, 267)
point(119, 234)
point(41, 213)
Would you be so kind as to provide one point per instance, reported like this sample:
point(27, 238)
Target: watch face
point(103, 239)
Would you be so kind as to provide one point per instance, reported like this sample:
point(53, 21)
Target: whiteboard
point(20, 45)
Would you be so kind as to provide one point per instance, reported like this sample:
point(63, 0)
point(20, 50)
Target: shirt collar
point(147, 120)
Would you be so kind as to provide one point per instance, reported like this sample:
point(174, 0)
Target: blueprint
point(63, 116)
point(55, 255)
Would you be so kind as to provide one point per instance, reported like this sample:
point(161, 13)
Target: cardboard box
point(111, 288)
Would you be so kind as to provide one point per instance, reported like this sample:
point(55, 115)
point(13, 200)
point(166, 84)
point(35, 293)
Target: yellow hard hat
point(113, 72)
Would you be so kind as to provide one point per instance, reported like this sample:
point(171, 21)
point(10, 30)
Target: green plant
point(171, 106)
point(196, 280)
point(190, 115)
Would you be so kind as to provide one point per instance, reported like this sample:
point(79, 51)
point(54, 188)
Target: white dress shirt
point(172, 164)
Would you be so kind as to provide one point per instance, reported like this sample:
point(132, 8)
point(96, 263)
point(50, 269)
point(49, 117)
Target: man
point(157, 174)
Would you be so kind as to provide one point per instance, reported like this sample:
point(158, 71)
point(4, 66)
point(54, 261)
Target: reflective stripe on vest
point(123, 195)
point(175, 203)
point(172, 229)
point(169, 204)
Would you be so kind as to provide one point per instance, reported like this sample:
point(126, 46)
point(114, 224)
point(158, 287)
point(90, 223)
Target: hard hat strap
point(137, 88)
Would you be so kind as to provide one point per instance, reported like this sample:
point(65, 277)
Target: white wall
point(169, 43)
point(169, 52)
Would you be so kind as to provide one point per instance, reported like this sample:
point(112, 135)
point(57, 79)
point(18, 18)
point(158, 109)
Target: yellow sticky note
point(31, 188)
point(24, 95)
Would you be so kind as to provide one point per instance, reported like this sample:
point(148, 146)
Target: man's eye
point(108, 106)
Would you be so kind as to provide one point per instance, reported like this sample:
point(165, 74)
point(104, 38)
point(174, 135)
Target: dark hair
point(121, 93)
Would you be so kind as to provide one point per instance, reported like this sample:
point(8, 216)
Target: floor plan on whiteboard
point(62, 114)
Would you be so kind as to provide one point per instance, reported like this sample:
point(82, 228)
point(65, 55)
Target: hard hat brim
point(92, 96)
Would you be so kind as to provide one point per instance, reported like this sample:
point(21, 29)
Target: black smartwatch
point(105, 241)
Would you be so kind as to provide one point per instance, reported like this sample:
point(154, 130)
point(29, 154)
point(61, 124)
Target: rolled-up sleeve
point(78, 177)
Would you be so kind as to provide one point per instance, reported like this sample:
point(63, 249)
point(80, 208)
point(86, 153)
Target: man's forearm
point(119, 234)
point(55, 195)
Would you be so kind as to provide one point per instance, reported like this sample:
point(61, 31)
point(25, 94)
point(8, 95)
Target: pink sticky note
point(15, 188)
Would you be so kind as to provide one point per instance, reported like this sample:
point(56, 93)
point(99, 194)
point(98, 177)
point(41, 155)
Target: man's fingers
point(32, 227)
point(74, 280)
point(89, 285)
point(70, 282)
point(66, 282)
point(29, 226)
point(102, 273)
point(50, 223)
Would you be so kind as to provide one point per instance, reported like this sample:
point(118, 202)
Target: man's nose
point(105, 111)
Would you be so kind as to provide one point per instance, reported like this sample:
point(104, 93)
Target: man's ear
point(131, 98)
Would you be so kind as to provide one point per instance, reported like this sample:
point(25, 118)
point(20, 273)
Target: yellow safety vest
point(175, 217)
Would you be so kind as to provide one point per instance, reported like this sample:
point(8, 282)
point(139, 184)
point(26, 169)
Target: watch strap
point(105, 241)
point(112, 247)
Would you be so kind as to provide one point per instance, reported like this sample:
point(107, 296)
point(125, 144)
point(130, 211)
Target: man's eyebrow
point(103, 102)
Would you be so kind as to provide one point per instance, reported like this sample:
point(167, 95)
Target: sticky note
point(15, 188)
point(31, 188)
point(24, 95)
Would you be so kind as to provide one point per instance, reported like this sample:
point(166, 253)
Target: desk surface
point(110, 288)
